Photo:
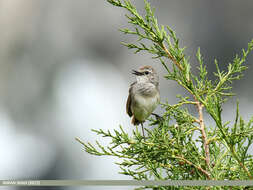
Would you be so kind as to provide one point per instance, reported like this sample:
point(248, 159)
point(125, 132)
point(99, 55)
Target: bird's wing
point(128, 104)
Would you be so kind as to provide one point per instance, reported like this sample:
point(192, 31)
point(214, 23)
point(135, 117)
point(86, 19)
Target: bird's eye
point(146, 72)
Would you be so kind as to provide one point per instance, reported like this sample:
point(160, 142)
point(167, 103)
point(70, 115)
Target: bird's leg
point(142, 130)
point(158, 117)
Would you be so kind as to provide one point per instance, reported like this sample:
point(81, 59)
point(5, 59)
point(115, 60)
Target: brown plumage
point(128, 106)
point(146, 67)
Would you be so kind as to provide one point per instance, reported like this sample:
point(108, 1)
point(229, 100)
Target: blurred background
point(64, 72)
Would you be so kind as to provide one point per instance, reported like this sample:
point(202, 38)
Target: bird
point(144, 95)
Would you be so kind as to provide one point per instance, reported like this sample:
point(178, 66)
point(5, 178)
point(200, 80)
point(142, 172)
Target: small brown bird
point(143, 95)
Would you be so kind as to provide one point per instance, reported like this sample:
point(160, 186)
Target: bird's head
point(146, 74)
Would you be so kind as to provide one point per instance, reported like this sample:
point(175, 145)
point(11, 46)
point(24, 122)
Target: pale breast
point(143, 105)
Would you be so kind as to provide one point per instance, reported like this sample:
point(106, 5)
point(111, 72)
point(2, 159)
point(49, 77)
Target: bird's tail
point(135, 121)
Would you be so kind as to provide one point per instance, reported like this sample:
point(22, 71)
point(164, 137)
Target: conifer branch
point(170, 150)
point(204, 137)
point(171, 57)
point(197, 167)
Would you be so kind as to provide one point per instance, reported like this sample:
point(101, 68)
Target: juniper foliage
point(171, 150)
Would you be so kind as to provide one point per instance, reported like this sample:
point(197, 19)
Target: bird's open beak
point(136, 73)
